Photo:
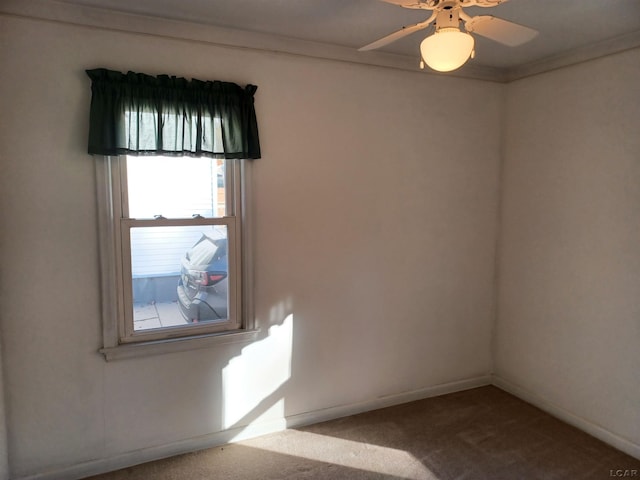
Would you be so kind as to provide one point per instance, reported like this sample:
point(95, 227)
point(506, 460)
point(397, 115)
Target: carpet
point(478, 434)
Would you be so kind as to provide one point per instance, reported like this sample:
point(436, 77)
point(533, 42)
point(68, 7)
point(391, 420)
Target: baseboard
point(136, 457)
point(585, 425)
point(96, 467)
point(386, 401)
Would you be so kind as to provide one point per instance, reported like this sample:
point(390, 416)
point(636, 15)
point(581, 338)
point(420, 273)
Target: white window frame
point(119, 338)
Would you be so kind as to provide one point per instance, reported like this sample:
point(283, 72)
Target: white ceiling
point(564, 25)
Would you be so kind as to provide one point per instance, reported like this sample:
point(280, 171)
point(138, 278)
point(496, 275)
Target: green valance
point(138, 114)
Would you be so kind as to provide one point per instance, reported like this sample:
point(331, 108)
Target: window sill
point(135, 350)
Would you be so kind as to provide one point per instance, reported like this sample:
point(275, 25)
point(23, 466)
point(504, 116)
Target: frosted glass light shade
point(447, 49)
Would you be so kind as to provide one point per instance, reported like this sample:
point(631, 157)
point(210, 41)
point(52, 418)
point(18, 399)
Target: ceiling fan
point(450, 47)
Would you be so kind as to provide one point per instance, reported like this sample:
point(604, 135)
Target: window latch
point(159, 217)
point(197, 215)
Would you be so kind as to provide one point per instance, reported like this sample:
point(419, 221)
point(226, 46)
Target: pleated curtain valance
point(138, 114)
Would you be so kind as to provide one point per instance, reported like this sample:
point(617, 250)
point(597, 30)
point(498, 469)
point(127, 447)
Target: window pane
point(179, 275)
point(175, 187)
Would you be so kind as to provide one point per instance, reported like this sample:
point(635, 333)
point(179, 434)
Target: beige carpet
point(482, 433)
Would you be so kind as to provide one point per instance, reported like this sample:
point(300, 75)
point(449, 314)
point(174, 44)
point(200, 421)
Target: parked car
point(202, 288)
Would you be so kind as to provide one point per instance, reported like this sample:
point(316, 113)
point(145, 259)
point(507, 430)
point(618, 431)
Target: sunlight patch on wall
point(250, 379)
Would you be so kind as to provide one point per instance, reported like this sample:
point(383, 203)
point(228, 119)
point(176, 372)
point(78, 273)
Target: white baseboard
point(386, 401)
point(98, 466)
point(591, 428)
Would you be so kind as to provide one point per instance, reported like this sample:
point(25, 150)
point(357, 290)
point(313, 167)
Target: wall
point(567, 333)
point(375, 217)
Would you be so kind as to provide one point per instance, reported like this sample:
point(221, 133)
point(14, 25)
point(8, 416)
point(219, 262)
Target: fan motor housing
point(448, 17)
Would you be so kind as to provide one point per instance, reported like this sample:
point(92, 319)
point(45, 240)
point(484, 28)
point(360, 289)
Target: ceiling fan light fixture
point(447, 49)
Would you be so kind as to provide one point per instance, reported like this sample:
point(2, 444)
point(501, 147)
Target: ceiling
point(564, 25)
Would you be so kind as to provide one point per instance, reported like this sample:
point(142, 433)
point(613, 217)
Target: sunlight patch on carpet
point(348, 453)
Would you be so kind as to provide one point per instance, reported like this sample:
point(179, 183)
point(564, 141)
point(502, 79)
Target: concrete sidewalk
point(156, 315)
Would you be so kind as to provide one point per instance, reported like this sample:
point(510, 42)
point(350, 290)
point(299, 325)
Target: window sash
point(116, 268)
point(189, 169)
point(126, 325)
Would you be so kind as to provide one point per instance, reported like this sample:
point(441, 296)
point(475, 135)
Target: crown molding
point(60, 11)
point(92, 17)
point(605, 48)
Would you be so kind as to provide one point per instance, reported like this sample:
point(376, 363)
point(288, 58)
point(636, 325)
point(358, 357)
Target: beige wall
point(568, 329)
point(375, 230)
point(369, 295)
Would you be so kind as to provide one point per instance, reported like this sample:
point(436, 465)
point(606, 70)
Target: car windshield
point(203, 252)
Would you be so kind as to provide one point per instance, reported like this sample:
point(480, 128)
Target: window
point(172, 170)
point(177, 265)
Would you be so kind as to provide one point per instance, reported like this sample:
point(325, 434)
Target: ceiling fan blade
point(403, 32)
point(424, 4)
point(434, 4)
point(480, 3)
point(502, 31)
